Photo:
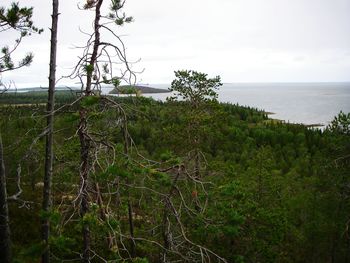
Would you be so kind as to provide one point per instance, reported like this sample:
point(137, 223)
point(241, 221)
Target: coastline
point(142, 89)
point(311, 108)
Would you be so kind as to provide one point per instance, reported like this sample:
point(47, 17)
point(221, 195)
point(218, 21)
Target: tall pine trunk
point(47, 202)
point(5, 239)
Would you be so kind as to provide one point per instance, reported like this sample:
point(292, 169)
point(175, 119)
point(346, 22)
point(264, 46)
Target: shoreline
point(146, 91)
point(134, 89)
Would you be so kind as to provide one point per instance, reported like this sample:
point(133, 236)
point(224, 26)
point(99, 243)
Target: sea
point(307, 103)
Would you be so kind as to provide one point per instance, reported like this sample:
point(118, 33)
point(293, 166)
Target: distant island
point(130, 89)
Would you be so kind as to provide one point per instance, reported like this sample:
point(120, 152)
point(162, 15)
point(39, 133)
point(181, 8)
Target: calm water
point(308, 103)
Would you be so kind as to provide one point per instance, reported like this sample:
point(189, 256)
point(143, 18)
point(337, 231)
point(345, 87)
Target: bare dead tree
point(47, 202)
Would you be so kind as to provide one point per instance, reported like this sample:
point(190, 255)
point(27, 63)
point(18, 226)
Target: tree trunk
point(47, 202)
point(131, 227)
point(103, 214)
point(167, 235)
point(197, 204)
point(93, 57)
point(84, 177)
point(85, 143)
point(166, 226)
point(5, 239)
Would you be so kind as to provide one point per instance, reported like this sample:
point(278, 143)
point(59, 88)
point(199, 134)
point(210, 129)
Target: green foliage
point(340, 124)
point(53, 216)
point(116, 82)
point(127, 90)
point(19, 19)
point(118, 171)
point(7, 61)
point(36, 97)
point(115, 7)
point(163, 179)
point(140, 260)
point(274, 192)
point(89, 69)
point(166, 156)
point(89, 101)
point(30, 253)
point(61, 244)
point(194, 87)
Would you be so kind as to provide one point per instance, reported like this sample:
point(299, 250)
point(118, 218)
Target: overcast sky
point(240, 40)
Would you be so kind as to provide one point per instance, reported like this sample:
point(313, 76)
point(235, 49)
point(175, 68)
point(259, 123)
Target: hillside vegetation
point(223, 180)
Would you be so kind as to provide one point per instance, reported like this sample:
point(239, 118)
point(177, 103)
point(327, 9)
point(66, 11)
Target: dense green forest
point(173, 183)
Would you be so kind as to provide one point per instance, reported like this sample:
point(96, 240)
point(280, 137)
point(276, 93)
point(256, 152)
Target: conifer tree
point(93, 71)
point(18, 19)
